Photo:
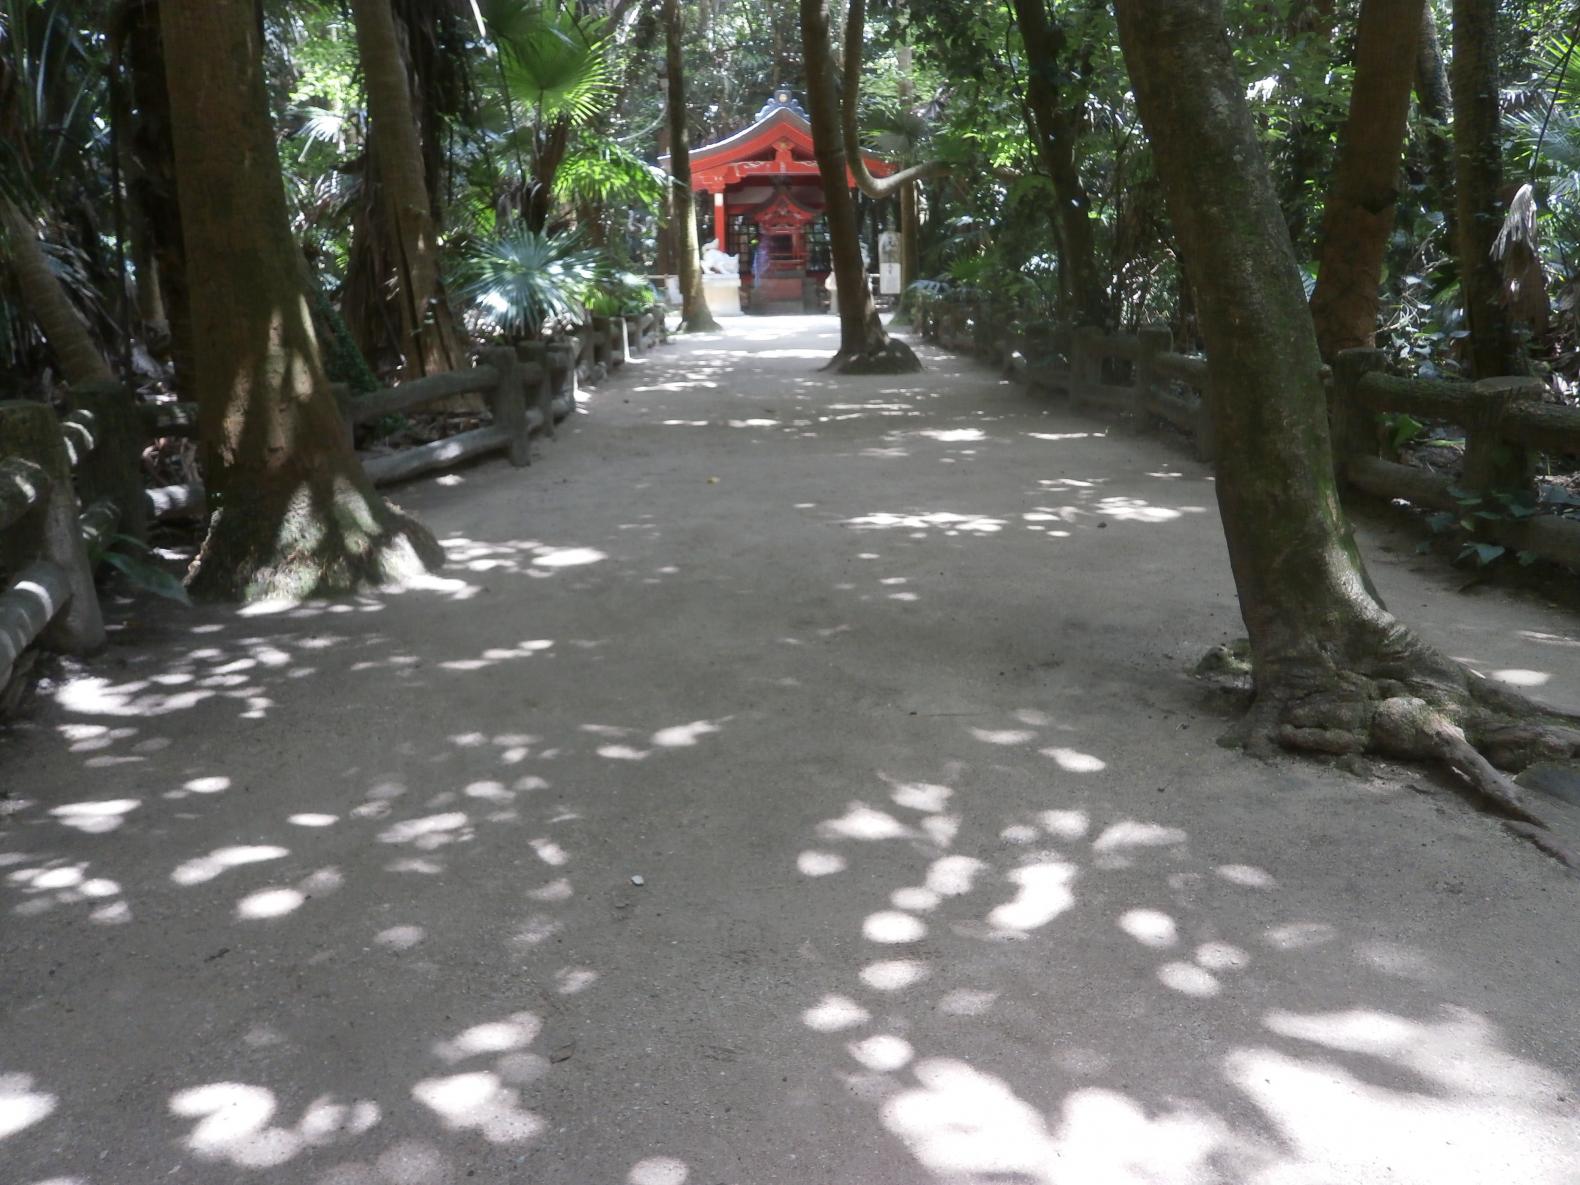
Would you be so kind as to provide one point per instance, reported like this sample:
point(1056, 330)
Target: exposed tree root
point(324, 541)
point(892, 357)
point(1408, 702)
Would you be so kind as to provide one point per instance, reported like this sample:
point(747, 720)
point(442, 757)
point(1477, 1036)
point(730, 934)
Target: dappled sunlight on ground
point(789, 779)
point(1321, 1078)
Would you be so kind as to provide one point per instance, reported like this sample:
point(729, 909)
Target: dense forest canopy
point(539, 126)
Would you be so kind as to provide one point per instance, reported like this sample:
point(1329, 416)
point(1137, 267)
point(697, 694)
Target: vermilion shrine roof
point(778, 144)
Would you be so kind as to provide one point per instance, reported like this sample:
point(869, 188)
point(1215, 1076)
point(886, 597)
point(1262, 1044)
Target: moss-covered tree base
point(1394, 696)
point(891, 356)
point(325, 538)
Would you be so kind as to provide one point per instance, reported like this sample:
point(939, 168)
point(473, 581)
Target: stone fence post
point(49, 530)
point(508, 401)
point(114, 467)
point(1493, 464)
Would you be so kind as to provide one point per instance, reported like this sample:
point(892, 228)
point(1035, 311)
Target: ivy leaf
point(149, 577)
point(1483, 553)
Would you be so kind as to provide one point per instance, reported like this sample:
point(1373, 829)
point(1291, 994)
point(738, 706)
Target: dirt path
point(877, 687)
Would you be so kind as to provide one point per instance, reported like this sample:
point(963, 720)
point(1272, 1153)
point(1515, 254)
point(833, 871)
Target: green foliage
point(133, 560)
point(554, 62)
point(343, 362)
point(1401, 429)
point(619, 295)
point(603, 174)
point(518, 279)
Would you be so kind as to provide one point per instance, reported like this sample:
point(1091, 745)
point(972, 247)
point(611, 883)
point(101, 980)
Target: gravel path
point(789, 782)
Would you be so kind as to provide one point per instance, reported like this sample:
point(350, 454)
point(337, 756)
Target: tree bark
point(1056, 121)
point(428, 339)
point(1359, 213)
point(910, 194)
point(151, 184)
point(694, 314)
point(292, 513)
point(850, 127)
point(1333, 670)
point(1432, 98)
point(864, 346)
point(1478, 188)
point(75, 351)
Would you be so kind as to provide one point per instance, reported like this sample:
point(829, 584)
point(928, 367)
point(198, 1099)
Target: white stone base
point(723, 294)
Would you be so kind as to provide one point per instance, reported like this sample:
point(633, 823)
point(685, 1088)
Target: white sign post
point(889, 263)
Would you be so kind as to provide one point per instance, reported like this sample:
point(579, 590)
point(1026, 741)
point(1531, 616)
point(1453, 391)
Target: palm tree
point(51, 82)
point(553, 67)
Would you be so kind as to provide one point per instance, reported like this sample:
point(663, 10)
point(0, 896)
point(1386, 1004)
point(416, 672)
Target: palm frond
point(553, 62)
point(601, 173)
point(519, 279)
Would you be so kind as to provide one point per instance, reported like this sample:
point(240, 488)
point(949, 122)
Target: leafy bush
point(519, 279)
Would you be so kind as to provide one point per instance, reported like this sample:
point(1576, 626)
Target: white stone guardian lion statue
point(720, 264)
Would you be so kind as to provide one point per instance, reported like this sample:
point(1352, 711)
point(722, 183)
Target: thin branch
point(873, 187)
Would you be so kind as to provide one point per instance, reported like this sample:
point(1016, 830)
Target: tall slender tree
point(291, 512)
point(865, 347)
point(694, 314)
point(1056, 112)
point(1333, 670)
point(428, 339)
point(1478, 187)
point(1436, 108)
point(1359, 214)
point(77, 354)
point(154, 212)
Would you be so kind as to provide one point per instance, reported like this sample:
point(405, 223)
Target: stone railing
point(69, 484)
point(1506, 425)
point(46, 544)
point(528, 388)
point(1137, 378)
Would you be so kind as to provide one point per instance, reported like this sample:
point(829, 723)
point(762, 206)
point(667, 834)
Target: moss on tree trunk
point(292, 513)
point(1333, 671)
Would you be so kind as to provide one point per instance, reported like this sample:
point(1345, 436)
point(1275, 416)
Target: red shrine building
point(766, 193)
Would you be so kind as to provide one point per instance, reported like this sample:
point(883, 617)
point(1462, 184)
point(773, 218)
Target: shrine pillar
point(720, 223)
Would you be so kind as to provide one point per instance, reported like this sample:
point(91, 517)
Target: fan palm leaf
point(519, 279)
point(552, 61)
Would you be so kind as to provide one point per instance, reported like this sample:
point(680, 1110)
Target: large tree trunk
point(1056, 119)
point(1333, 670)
point(1478, 188)
point(291, 512)
point(69, 340)
point(1359, 215)
point(429, 342)
point(864, 346)
point(694, 314)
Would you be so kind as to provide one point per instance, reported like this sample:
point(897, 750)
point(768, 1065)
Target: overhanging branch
point(873, 187)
